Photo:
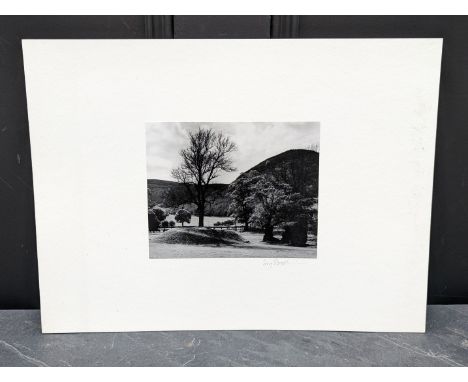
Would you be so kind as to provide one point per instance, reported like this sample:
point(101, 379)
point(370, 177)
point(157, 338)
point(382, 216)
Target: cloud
point(256, 141)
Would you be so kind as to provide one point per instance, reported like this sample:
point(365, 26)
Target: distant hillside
point(162, 190)
point(298, 168)
point(158, 187)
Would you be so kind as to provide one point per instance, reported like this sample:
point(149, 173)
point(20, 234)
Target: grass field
point(255, 248)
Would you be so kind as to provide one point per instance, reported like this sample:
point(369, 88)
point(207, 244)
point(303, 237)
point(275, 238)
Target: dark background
point(448, 270)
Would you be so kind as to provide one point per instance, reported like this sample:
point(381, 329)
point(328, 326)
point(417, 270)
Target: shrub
point(172, 224)
point(226, 222)
point(159, 213)
point(165, 224)
point(153, 221)
point(295, 233)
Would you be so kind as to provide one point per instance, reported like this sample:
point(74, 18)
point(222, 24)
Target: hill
point(298, 168)
point(199, 236)
point(158, 187)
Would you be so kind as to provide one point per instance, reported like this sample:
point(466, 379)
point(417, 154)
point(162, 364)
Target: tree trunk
point(246, 225)
point(201, 207)
point(201, 215)
point(268, 236)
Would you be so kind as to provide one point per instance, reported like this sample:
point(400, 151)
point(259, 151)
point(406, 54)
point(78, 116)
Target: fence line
point(239, 228)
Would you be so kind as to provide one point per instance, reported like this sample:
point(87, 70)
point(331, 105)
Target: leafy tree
point(207, 155)
point(275, 203)
point(240, 192)
point(172, 223)
point(183, 216)
point(165, 224)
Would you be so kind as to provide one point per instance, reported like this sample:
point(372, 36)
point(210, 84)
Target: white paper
point(376, 101)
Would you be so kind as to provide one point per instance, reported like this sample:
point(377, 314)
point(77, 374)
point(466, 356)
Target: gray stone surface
point(444, 344)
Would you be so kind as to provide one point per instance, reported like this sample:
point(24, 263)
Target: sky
point(256, 141)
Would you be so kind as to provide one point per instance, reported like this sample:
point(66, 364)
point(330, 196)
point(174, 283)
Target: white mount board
point(376, 101)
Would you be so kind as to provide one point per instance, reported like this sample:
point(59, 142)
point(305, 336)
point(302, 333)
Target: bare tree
point(205, 158)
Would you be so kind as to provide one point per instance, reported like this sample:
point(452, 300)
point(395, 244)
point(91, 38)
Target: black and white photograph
point(232, 189)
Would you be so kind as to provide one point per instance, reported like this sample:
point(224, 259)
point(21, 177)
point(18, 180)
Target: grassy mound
point(198, 236)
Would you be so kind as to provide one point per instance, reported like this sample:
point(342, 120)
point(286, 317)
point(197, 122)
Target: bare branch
point(207, 155)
